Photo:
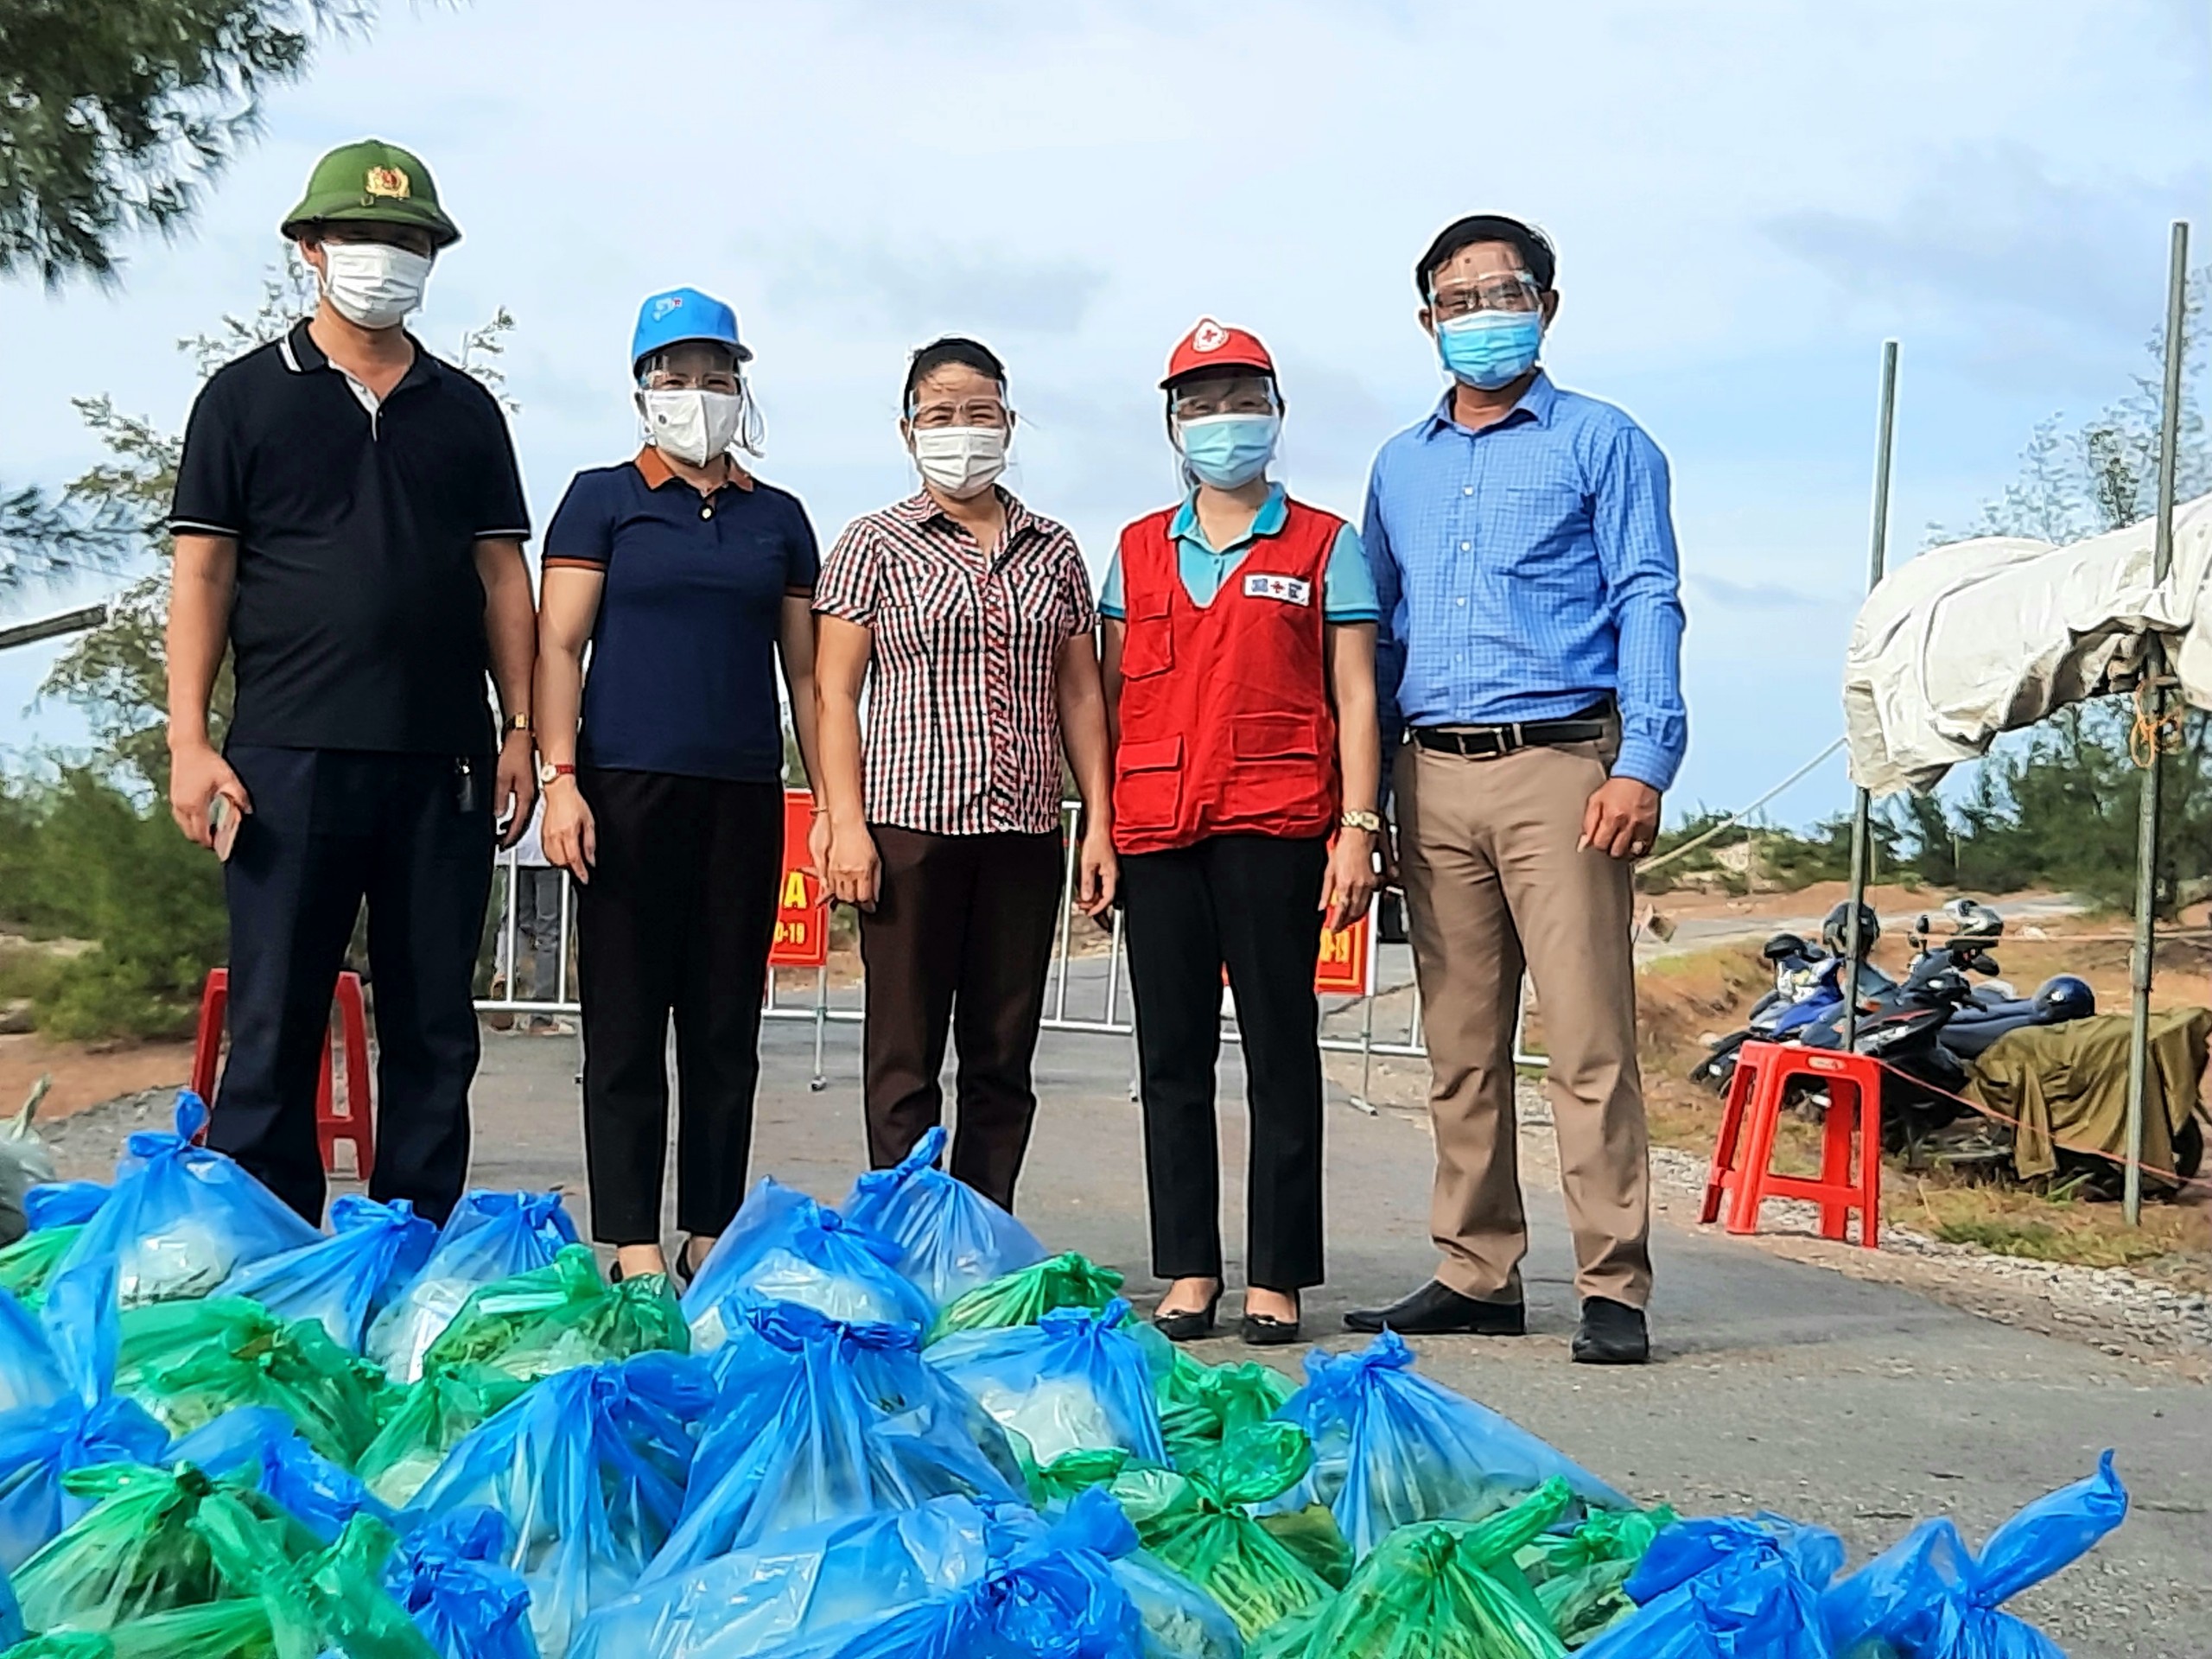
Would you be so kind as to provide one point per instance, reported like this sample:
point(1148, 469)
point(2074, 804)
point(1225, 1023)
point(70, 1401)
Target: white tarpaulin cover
point(1988, 636)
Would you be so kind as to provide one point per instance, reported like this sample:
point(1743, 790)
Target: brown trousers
point(959, 941)
point(1494, 886)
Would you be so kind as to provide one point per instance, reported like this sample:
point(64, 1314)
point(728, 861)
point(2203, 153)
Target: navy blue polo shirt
point(682, 671)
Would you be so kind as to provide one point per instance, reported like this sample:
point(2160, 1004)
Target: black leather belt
point(1490, 742)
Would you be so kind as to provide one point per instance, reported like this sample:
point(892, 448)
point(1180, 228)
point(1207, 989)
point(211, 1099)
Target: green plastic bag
point(1435, 1590)
point(220, 1630)
point(330, 1601)
point(1198, 1524)
point(1578, 1575)
point(1053, 1485)
point(1312, 1533)
point(188, 1363)
point(430, 1419)
point(1023, 1298)
point(27, 1264)
point(560, 1316)
point(135, 1551)
point(1200, 1405)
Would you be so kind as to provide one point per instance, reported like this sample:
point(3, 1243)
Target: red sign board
point(802, 910)
point(1346, 960)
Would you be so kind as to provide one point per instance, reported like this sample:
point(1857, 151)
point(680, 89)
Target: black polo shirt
point(358, 622)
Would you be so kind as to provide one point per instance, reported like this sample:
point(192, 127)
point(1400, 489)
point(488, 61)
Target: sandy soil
point(85, 1076)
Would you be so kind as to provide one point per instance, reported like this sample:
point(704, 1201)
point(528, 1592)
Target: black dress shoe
point(1611, 1333)
point(1437, 1310)
point(1189, 1325)
point(1265, 1331)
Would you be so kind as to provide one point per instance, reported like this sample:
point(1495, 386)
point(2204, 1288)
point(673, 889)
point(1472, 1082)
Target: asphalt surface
point(1860, 1407)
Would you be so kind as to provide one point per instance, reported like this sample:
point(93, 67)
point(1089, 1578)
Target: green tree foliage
point(114, 113)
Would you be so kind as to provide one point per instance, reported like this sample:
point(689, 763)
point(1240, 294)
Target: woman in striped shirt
point(968, 620)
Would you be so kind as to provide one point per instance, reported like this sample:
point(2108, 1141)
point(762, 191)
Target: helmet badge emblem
point(387, 182)
point(1209, 336)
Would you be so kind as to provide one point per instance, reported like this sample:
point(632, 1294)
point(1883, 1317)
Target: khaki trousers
point(1494, 885)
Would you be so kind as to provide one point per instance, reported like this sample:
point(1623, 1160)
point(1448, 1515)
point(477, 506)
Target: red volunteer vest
point(1225, 722)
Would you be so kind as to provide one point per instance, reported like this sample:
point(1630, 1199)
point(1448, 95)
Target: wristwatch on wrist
point(548, 770)
point(514, 723)
point(1370, 822)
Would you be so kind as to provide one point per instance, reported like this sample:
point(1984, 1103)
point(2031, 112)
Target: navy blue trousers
point(330, 829)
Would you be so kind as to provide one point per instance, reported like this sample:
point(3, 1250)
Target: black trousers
point(1249, 902)
point(961, 935)
point(674, 922)
point(412, 836)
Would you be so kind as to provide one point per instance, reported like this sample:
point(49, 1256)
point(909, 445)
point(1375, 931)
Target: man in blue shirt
point(1530, 659)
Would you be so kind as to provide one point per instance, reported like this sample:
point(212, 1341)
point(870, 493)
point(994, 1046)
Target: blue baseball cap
point(682, 314)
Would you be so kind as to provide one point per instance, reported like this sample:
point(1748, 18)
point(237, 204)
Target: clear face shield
point(1512, 293)
point(706, 377)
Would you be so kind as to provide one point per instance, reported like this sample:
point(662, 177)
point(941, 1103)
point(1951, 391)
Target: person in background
point(688, 578)
point(349, 523)
point(1240, 688)
point(968, 620)
point(1523, 550)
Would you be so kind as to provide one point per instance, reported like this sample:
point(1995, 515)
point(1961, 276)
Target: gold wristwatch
point(514, 723)
point(1370, 822)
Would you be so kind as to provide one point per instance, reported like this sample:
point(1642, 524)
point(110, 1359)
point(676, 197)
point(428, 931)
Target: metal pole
point(821, 1022)
point(1862, 813)
point(2141, 966)
point(53, 627)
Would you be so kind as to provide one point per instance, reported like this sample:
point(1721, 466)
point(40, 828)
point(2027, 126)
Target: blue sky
point(1747, 196)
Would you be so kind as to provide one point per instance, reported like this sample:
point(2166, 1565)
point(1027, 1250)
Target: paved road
point(1854, 1405)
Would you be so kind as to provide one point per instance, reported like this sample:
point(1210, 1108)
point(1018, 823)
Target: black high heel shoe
point(682, 1269)
point(1264, 1331)
point(1189, 1325)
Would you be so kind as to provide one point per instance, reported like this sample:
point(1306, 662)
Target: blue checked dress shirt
point(1528, 570)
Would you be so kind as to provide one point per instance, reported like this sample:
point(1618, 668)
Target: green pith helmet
point(375, 183)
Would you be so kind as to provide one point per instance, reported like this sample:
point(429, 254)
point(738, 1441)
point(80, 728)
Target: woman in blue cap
point(663, 771)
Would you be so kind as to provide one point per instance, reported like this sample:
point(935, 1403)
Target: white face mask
point(962, 461)
point(691, 425)
point(374, 284)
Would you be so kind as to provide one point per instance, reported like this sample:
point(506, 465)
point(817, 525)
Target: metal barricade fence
point(1085, 986)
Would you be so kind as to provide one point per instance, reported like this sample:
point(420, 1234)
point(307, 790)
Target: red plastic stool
point(1743, 1156)
point(356, 1125)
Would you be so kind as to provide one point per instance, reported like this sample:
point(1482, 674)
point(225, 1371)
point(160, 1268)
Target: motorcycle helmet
point(2063, 997)
point(1783, 947)
point(1835, 932)
point(1973, 924)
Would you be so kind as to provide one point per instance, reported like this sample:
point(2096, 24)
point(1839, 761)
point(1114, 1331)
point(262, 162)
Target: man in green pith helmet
point(349, 521)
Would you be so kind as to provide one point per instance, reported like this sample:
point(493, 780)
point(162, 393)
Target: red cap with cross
point(1209, 344)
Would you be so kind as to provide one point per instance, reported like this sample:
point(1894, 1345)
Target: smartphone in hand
point(223, 819)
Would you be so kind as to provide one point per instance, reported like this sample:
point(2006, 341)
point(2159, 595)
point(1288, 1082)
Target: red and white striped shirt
point(964, 728)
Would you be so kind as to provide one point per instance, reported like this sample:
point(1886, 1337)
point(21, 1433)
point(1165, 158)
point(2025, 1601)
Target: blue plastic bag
point(838, 1426)
point(794, 1585)
point(489, 1237)
point(1930, 1596)
point(1390, 1447)
point(11, 1615)
point(30, 1374)
point(1724, 1587)
point(41, 1444)
point(1073, 1382)
point(308, 1486)
point(179, 1220)
point(1041, 1595)
point(64, 1204)
point(771, 1350)
point(950, 1237)
point(346, 1279)
point(784, 1247)
point(588, 1468)
point(451, 1577)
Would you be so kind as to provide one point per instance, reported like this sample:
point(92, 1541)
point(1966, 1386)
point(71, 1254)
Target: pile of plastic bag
point(897, 1429)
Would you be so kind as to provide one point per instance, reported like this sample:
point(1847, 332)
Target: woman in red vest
point(1240, 687)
